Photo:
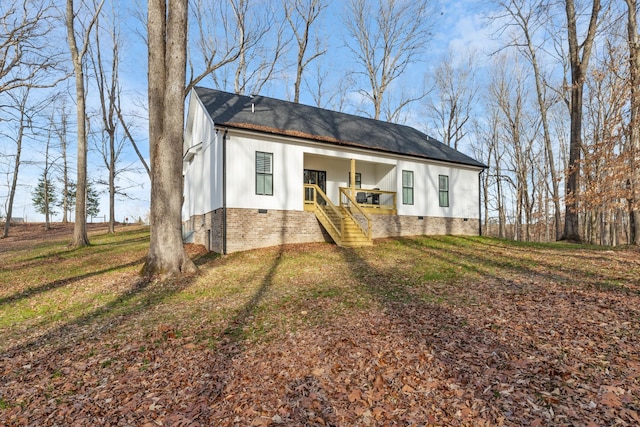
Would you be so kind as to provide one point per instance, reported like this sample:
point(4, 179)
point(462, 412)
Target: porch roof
point(269, 115)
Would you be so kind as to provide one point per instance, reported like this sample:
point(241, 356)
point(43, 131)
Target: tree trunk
point(579, 67)
point(167, 73)
point(16, 167)
point(80, 237)
point(485, 189)
point(524, 22)
point(47, 203)
point(307, 12)
point(62, 132)
point(14, 182)
point(112, 184)
point(634, 132)
point(571, 222)
point(47, 217)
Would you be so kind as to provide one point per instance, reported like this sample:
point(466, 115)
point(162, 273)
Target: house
point(261, 172)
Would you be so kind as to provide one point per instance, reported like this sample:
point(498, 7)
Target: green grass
point(54, 283)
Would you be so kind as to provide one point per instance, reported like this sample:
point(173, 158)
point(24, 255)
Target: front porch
point(344, 196)
point(371, 184)
point(371, 202)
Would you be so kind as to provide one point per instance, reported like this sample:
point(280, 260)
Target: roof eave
point(335, 141)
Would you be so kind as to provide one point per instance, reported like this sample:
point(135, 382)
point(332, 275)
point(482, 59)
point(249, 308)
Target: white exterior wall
point(203, 174)
point(241, 174)
point(463, 190)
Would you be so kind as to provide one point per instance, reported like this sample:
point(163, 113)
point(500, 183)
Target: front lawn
point(413, 331)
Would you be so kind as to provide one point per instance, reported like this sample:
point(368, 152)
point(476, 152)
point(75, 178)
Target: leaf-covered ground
point(416, 331)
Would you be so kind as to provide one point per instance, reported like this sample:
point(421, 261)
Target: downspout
point(224, 192)
point(480, 202)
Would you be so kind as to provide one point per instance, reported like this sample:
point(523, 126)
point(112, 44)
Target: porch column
point(352, 184)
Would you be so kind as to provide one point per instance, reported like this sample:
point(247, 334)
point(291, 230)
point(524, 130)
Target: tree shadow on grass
point(483, 262)
point(304, 396)
point(470, 362)
point(35, 290)
point(230, 340)
point(143, 294)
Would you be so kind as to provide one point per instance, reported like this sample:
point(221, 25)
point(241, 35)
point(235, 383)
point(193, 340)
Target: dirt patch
point(23, 235)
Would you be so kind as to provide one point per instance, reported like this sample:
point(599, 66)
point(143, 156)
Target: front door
point(318, 178)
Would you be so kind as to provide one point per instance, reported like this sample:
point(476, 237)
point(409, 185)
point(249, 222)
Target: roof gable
point(269, 115)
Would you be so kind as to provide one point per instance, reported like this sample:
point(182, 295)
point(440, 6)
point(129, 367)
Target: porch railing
point(374, 199)
point(353, 208)
point(316, 198)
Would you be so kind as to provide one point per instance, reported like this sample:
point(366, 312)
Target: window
point(264, 173)
point(358, 180)
point(444, 190)
point(407, 187)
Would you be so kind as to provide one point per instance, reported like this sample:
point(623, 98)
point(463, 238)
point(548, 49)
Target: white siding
point(463, 190)
point(203, 173)
point(241, 178)
point(385, 172)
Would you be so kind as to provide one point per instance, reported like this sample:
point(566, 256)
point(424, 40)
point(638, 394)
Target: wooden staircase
point(338, 221)
point(351, 234)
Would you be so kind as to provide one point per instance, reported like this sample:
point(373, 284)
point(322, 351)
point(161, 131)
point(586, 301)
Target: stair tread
point(352, 234)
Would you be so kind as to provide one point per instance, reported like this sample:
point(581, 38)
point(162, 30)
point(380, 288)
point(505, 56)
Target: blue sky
point(458, 26)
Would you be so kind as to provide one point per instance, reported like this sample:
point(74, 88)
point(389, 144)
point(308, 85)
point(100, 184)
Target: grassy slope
point(446, 330)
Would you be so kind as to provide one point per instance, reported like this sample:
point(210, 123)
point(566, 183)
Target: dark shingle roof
point(287, 118)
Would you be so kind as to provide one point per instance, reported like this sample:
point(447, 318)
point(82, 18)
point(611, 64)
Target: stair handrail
point(353, 203)
point(318, 191)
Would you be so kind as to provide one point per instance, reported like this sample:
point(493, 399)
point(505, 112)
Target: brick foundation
point(207, 230)
point(253, 228)
point(250, 228)
point(396, 226)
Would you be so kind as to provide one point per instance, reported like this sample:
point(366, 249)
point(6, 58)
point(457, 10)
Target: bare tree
point(258, 61)
point(387, 36)
point(24, 47)
point(633, 41)
point(301, 14)
point(24, 122)
point(218, 40)
point(263, 44)
point(529, 20)
point(80, 237)
point(317, 84)
point(167, 35)
point(456, 96)
point(45, 191)
point(108, 84)
point(26, 60)
point(59, 126)
point(509, 90)
point(489, 144)
point(579, 54)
